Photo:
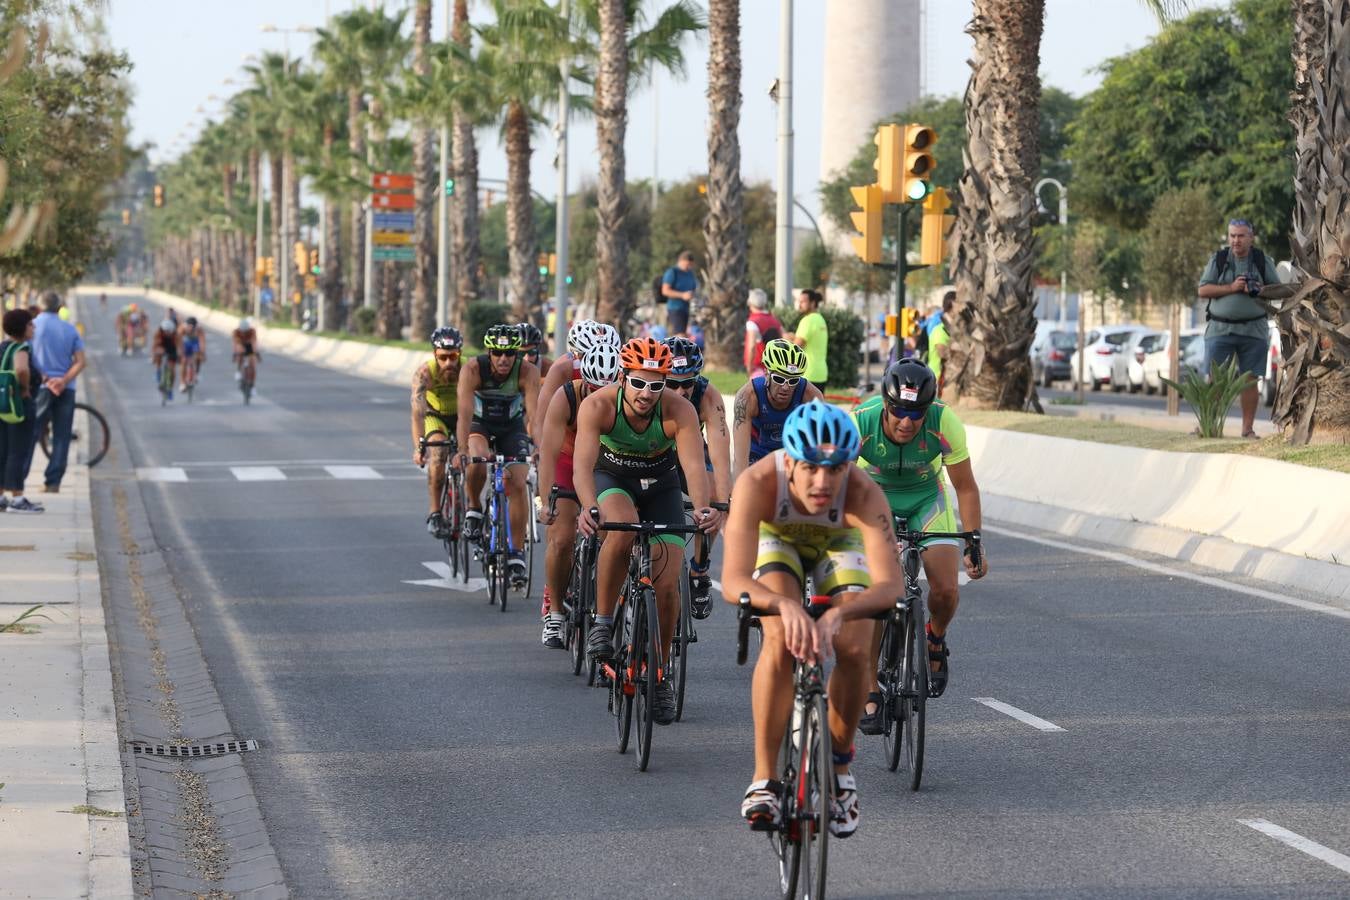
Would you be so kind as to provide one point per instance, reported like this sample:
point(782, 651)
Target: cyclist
point(908, 438)
point(531, 338)
point(193, 339)
point(173, 316)
point(583, 335)
point(245, 341)
point(435, 413)
point(167, 351)
point(807, 510)
point(763, 403)
point(103, 301)
point(501, 388)
point(599, 368)
point(630, 438)
point(684, 378)
point(130, 324)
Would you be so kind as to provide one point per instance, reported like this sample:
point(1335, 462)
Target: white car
point(1127, 366)
point(1156, 364)
point(1268, 383)
point(1102, 345)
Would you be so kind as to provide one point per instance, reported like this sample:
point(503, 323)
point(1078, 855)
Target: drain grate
point(193, 750)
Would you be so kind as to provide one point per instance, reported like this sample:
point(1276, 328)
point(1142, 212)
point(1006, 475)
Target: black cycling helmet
point(909, 385)
point(530, 335)
point(447, 338)
point(687, 357)
point(191, 320)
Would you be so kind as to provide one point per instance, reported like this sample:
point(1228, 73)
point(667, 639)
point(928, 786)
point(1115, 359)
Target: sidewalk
point(63, 828)
point(1157, 418)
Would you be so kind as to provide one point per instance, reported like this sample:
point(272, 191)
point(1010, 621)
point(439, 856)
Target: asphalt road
point(419, 743)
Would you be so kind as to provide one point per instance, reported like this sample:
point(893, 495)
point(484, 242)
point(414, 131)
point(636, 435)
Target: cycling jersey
point(245, 339)
point(562, 472)
point(816, 545)
point(442, 389)
point(166, 345)
point(766, 428)
point(642, 465)
point(497, 402)
point(191, 343)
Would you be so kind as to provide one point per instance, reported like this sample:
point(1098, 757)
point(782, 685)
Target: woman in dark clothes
point(16, 439)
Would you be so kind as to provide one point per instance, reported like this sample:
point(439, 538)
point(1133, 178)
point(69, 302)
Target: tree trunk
point(278, 239)
point(254, 174)
point(521, 243)
point(611, 125)
point(356, 143)
point(994, 321)
point(330, 279)
point(292, 181)
point(424, 192)
point(390, 324)
point(724, 227)
point(1313, 402)
point(466, 249)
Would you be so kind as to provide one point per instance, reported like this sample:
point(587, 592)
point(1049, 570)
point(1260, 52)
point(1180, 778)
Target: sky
point(183, 53)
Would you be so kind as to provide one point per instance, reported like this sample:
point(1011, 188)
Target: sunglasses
point(451, 355)
point(642, 384)
point(502, 352)
point(827, 456)
point(789, 380)
point(532, 353)
point(913, 415)
point(683, 384)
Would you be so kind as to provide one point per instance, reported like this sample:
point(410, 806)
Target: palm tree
point(321, 146)
point(519, 59)
point(1313, 403)
point(269, 77)
point(625, 57)
point(724, 228)
point(466, 250)
point(424, 190)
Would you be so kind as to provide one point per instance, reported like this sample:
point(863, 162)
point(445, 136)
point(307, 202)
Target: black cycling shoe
point(663, 706)
point(600, 642)
point(473, 525)
point(515, 564)
point(870, 723)
point(700, 603)
point(938, 652)
point(435, 525)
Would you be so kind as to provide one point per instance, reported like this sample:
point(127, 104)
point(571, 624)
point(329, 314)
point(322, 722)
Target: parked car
point(1102, 345)
point(1267, 384)
point(1127, 366)
point(1156, 364)
point(1050, 354)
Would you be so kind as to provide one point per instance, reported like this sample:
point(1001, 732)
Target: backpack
point(657, 296)
point(11, 404)
point(1257, 264)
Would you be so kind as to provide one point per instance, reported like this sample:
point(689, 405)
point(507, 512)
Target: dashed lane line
point(172, 474)
point(353, 473)
point(1300, 843)
point(257, 473)
point(1020, 715)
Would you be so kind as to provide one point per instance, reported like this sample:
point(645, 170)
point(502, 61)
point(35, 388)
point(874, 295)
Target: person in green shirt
point(939, 339)
point(813, 336)
point(907, 440)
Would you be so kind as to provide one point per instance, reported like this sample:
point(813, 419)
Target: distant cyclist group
point(178, 349)
point(809, 499)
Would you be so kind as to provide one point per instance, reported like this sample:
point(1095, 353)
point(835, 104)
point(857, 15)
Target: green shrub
point(844, 354)
point(481, 315)
point(1212, 398)
point(363, 320)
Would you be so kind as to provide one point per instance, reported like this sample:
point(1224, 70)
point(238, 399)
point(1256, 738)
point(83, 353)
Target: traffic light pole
point(902, 270)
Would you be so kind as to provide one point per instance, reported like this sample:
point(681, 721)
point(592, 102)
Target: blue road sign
point(393, 222)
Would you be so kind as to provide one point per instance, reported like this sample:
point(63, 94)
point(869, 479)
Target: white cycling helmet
point(600, 366)
point(608, 336)
point(167, 325)
point(245, 324)
point(579, 337)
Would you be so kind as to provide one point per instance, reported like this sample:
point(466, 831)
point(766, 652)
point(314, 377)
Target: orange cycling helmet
point(645, 355)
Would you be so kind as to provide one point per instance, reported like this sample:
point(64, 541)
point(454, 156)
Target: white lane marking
point(1020, 715)
point(961, 576)
point(443, 579)
point(161, 473)
point(353, 473)
point(1177, 573)
point(1300, 843)
point(202, 464)
point(258, 473)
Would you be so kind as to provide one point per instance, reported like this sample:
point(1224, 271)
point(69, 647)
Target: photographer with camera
point(1236, 323)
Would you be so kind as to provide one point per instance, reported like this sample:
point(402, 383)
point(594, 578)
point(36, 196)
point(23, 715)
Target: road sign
point(391, 181)
point(392, 201)
point(391, 238)
point(394, 221)
point(392, 254)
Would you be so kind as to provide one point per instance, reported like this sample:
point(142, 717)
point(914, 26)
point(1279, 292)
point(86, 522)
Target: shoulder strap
point(7, 361)
point(570, 392)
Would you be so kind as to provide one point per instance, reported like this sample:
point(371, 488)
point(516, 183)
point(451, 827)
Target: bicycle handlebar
point(649, 528)
point(503, 459)
point(720, 507)
point(555, 494)
point(972, 538)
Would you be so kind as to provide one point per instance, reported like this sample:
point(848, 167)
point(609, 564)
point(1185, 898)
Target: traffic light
point(868, 221)
point(271, 262)
point(196, 267)
point(449, 187)
point(936, 224)
point(159, 196)
point(552, 263)
point(569, 274)
point(542, 261)
point(301, 257)
point(126, 217)
point(918, 162)
point(314, 268)
point(909, 318)
point(890, 163)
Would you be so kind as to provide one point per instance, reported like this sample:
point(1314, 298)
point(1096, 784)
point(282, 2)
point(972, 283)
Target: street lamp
point(283, 270)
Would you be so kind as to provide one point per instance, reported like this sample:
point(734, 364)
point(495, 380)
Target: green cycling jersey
point(910, 474)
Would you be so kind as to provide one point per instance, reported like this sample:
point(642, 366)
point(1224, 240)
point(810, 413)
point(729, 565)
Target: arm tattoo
point(719, 416)
point(419, 394)
point(741, 403)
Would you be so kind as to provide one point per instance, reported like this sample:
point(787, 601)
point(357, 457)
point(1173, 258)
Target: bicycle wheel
point(620, 689)
point(647, 670)
point(451, 539)
point(465, 546)
point(679, 645)
point(532, 528)
point(501, 553)
point(784, 839)
point(891, 685)
point(165, 384)
point(914, 697)
point(95, 436)
point(577, 612)
point(814, 798)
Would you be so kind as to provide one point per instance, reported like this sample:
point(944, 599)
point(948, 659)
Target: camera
point(1253, 286)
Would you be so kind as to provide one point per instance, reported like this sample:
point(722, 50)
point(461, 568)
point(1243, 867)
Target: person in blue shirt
point(677, 287)
point(58, 353)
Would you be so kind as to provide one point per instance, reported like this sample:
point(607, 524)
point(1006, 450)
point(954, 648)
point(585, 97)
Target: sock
point(557, 617)
point(604, 620)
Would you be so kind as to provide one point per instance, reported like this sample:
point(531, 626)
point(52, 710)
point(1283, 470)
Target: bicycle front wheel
point(94, 437)
point(814, 799)
point(621, 689)
point(645, 668)
point(890, 680)
point(914, 697)
point(679, 646)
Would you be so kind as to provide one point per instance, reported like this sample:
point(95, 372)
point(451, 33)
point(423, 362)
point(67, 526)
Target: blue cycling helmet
point(821, 434)
point(687, 358)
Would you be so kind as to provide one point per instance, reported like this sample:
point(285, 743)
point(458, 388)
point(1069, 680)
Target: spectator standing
point(1237, 325)
point(678, 285)
point(813, 336)
point(939, 340)
point(761, 326)
point(58, 351)
point(16, 438)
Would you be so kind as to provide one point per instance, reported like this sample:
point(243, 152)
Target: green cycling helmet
point(783, 358)
point(502, 337)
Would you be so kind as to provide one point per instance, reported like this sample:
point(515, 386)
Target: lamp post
point(782, 291)
point(560, 233)
point(1063, 273)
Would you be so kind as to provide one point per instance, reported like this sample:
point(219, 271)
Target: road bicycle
point(684, 627)
point(452, 511)
point(95, 437)
point(248, 372)
point(579, 600)
point(801, 837)
point(637, 666)
point(164, 377)
point(494, 548)
point(191, 365)
point(903, 665)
